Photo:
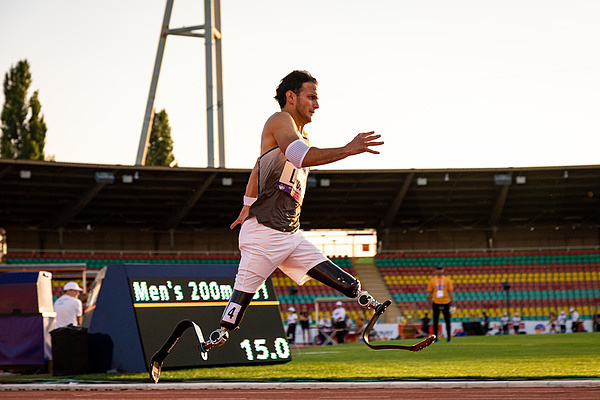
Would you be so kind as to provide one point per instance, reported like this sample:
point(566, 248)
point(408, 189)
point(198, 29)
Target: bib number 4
point(231, 313)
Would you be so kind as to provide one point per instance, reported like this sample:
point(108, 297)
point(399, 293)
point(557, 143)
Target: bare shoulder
point(278, 120)
point(279, 130)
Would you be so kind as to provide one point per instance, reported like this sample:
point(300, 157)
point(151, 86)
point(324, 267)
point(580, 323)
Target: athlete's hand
point(242, 217)
point(363, 143)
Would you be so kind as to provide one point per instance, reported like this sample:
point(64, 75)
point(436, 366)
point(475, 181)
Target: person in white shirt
point(574, 320)
point(325, 322)
point(504, 322)
point(339, 322)
point(292, 319)
point(516, 322)
point(68, 307)
point(324, 327)
point(562, 321)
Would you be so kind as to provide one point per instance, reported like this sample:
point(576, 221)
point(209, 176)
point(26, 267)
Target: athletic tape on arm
point(296, 151)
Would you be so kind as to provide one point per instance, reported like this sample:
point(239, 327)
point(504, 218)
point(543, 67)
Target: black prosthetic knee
point(333, 276)
point(234, 312)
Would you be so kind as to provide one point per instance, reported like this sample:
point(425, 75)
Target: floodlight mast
point(210, 31)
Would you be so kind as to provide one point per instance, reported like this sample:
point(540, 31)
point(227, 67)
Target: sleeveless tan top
point(281, 188)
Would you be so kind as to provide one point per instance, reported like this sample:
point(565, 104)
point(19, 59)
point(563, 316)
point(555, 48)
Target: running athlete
point(270, 218)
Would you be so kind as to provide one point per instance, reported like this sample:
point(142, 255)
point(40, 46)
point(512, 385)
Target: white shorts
point(264, 249)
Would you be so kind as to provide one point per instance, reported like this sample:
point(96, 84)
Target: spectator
point(68, 307)
point(292, 319)
point(552, 323)
point(574, 320)
point(324, 326)
point(359, 323)
point(504, 321)
point(562, 321)
point(339, 322)
point(485, 324)
point(516, 322)
point(440, 292)
point(424, 326)
point(305, 323)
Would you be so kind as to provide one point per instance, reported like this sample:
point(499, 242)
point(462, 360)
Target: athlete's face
point(307, 101)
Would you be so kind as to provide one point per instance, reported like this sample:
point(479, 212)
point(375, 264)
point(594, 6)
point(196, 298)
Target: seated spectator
point(424, 326)
point(324, 325)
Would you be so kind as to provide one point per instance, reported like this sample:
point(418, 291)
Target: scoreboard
point(147, 301)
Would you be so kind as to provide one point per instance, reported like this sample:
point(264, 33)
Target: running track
point(556, 389)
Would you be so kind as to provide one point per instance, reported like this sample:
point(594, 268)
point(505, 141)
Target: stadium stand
point(541, 281)
point(95, 262)
point(305, 294)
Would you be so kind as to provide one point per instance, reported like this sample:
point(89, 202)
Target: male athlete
point(441, 295)
point(270, 237)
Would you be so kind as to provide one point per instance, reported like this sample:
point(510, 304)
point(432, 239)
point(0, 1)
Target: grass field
point(565, 356)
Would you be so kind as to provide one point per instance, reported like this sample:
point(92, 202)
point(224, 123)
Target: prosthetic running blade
point(158, 358)
point(378, 312)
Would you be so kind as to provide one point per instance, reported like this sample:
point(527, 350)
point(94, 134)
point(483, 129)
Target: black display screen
point(160, 302)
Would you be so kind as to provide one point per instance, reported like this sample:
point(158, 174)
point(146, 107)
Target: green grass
point(566, 356)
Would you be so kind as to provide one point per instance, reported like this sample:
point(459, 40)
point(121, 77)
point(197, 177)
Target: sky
point(447, 83)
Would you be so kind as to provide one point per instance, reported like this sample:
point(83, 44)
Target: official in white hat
point(72, 286)
point(339, 322)
point(68, 307)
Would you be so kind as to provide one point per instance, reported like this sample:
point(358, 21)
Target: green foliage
point(23, 126)
point(160, 147)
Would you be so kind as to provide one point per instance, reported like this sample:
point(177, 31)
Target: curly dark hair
point(293, 81)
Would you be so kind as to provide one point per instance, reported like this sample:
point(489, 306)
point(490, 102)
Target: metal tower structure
point(211, 32)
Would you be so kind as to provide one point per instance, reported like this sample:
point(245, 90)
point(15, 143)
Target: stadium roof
point(49, 195)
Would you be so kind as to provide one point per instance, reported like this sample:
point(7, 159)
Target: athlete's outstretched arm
point(360, 144)
point(280, 131)
point(252, 192)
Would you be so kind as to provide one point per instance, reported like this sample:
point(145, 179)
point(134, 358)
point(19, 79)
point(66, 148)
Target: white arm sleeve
point(296, 151)
point(248, 201)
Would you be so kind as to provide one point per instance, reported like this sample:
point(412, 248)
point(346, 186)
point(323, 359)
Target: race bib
point(293, 181)
point(231, 313)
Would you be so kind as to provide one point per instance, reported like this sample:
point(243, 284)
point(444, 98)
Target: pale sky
point(448, 83)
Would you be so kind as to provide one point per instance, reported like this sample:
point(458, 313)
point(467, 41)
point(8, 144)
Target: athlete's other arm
point(282, 129)
point(251, 192)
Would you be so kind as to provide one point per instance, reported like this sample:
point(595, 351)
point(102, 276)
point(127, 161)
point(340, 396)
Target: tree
point(160, 147)
point(23, 126)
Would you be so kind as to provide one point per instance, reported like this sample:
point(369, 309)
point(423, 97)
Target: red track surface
point(329, 394)
point(588, 390)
